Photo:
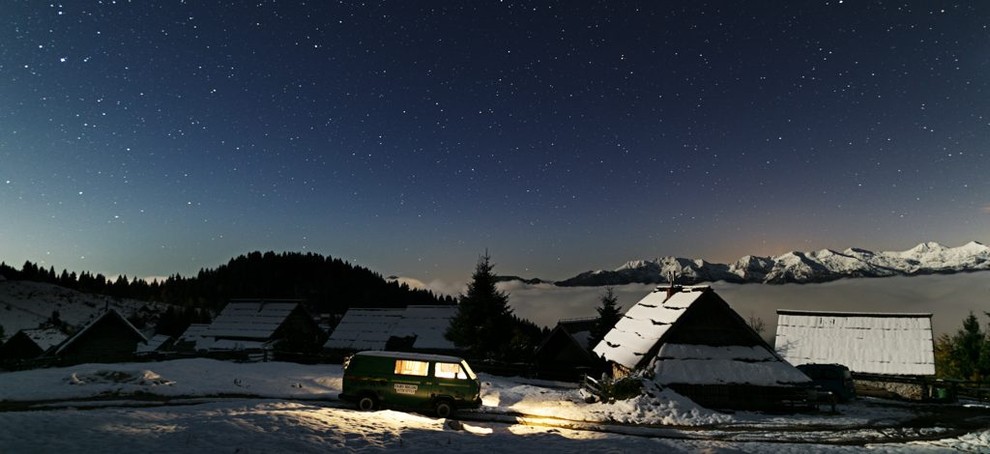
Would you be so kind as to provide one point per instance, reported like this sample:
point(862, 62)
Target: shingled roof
point(372, 328)
point(250, 320)
point(870, 343)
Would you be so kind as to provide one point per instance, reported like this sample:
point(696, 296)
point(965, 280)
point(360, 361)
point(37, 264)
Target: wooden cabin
point(565, 355)
point(690, 340)
point(108, 338)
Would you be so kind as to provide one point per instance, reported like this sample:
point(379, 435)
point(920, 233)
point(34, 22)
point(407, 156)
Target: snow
point(26, 305)
point(370, 329)
point(364, 329)
point(643, 325)
point(257, 320)
point(196, 335)
point(153, 344)
point(429, 325)
point(890, 344)
point(814, 266)
point(45, 338)
point(708, 365)
point(180, 406)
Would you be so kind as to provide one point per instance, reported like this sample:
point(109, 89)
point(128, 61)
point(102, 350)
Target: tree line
point(326, 284)
point(484, 325)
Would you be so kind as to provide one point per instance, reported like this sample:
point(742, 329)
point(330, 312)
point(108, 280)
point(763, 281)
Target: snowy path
point(200, 405)
point(263, 426)
point(862, 434)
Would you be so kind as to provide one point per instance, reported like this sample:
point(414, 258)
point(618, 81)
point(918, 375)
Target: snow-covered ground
point(26, 304)
point(201, 405)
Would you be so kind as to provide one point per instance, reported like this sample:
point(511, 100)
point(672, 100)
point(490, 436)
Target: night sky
point(153, 138)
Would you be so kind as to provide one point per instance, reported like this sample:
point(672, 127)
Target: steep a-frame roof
point(691, 336)
point(871, 343)
point(110, 317)
point(45, 338)
point(641, 327)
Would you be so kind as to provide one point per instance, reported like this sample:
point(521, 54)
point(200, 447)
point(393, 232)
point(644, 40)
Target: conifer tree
point(964, 355)
point(608, 314)
point(484, 322)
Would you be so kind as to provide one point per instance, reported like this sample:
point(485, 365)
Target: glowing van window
point(450, 370)
point(410, 367)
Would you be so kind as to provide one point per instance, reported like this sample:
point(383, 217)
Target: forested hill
point(329, 285)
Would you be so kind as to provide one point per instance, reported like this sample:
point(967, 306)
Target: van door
point(453, 381)
point(412, 384)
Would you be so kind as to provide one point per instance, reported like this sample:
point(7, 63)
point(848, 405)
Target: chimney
point(672, 288)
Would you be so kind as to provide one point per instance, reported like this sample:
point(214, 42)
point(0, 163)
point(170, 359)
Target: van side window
point(410, 367)
point(450, 370)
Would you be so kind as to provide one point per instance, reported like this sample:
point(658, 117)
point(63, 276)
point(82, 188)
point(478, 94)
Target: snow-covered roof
point(45, 338)
point(196, 334)
point(154, 343)
point(873, 343)
point(411, 355)
point(237, 345)
point(428, 324)
point(370, 329)
point(642, 326)
point(82, 332)
point(257, 320)
point(364, 329)
point(711, 365)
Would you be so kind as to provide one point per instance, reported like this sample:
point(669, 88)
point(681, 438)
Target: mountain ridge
point(824, 265)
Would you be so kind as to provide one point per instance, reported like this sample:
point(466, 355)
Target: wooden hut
point(108, 338)
point(260, 326)
point(564, 354)
point(690, 340)
point(30, 343)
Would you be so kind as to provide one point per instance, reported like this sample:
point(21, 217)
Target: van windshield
point(467, 369)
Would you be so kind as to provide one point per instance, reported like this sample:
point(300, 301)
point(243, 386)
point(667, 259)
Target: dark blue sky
point(410, 136)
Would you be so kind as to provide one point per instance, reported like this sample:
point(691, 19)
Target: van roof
point(413, 356)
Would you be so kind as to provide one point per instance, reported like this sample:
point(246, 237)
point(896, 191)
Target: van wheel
point(444, 408)
point(367, 403)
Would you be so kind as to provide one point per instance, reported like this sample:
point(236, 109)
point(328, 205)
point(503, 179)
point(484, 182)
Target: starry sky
point(153, 138)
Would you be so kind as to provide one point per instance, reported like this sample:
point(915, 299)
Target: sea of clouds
point(950, 298)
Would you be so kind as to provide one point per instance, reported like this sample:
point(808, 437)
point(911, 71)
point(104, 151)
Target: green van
point(378, 379)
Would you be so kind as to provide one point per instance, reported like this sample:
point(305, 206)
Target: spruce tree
point(484, 323)
point(968, 349)
point(608, 315)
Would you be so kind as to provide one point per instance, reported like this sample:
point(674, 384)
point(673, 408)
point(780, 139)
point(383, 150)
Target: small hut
point(108, 338)
point(31, 343)
point(259, 326)
point(564, 354)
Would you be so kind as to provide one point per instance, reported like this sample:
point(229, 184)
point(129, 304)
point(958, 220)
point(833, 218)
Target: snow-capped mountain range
point(797, 267)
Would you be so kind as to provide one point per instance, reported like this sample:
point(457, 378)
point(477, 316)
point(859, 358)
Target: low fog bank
point(949, 297)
